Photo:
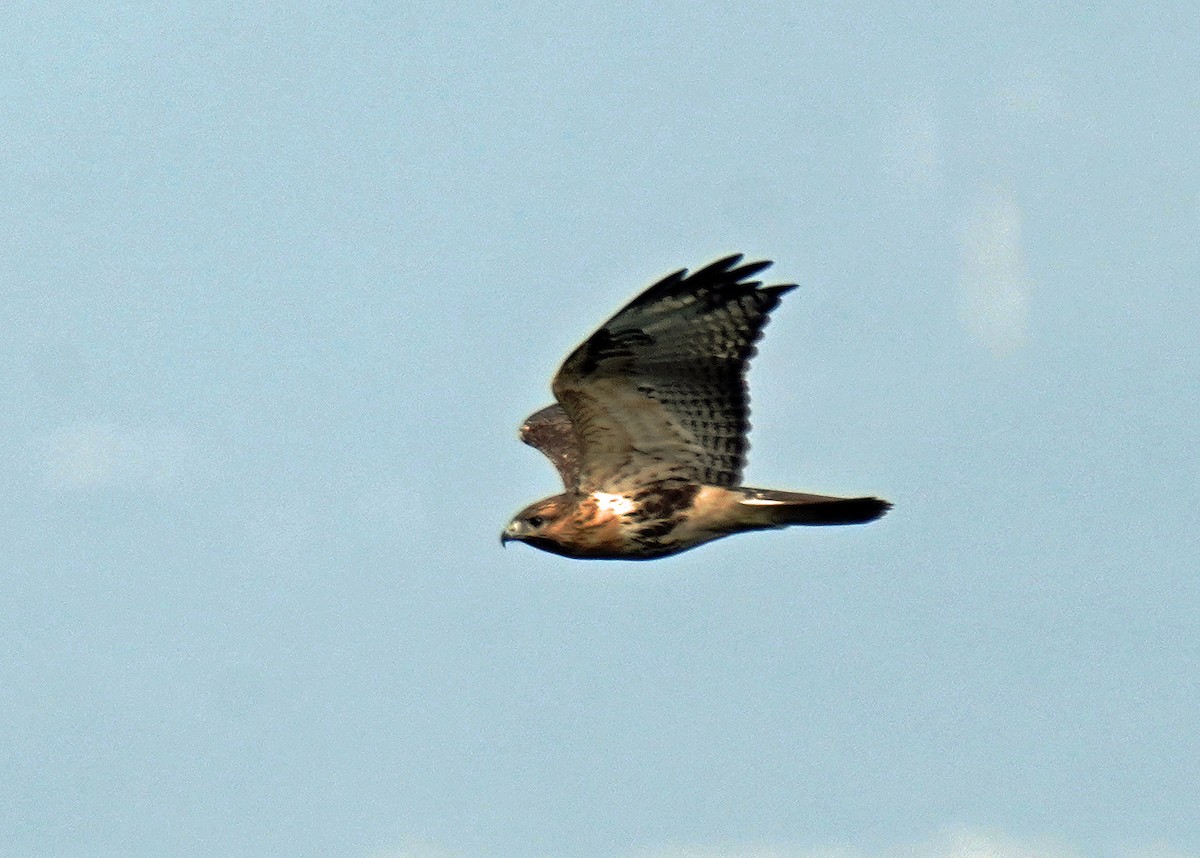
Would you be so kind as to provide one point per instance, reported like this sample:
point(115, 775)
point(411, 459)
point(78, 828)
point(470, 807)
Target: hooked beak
point(513, 531)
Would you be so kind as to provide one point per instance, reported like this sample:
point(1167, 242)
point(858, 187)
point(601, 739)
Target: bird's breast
point(592, 529)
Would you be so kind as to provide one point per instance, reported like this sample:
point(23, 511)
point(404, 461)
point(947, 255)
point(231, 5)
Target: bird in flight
point(649, 429)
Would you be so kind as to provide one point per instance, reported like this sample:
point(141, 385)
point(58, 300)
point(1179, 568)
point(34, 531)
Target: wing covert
point(659, 391)
point(550, 432)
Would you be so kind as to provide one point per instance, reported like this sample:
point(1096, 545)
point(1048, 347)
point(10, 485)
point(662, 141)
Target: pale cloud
point(993, 284)
point(415, 850)
point(955, 843)
point(99, 454)
point(952, 843)
point(970, 843)
point(745, 851)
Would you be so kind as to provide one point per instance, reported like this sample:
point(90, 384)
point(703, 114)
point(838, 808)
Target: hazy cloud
point(956, 843)
point(747, 851)
point(960, 843)
point(89, 455)
point(415, 850)
point(993, 285)
point(967, 843)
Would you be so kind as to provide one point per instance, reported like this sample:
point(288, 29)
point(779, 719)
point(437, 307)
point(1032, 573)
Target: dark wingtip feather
point(749, 269)
point(723, 274)
point(671, 279)
point(725, 263)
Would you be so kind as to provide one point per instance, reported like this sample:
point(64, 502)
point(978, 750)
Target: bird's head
point(537, 523)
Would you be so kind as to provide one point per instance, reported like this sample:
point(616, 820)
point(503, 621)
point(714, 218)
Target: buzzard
point(649, 429)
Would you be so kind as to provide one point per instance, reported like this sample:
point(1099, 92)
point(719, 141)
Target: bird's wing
point(550, 431)
point(659, 391)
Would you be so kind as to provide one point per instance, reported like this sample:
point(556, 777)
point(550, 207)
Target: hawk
point(649, 429)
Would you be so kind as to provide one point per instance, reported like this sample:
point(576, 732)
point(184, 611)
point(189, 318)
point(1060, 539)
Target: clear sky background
point(280, 281)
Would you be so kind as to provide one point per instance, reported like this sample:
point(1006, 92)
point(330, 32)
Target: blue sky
point(280, 283)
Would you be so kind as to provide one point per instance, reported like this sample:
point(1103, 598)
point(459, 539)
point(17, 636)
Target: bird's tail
point(769, 508)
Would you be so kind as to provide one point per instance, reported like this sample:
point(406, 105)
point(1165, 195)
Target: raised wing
point(551, 432)
point(659, 391)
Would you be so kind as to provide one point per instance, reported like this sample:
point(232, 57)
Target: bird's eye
point(536, 521)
